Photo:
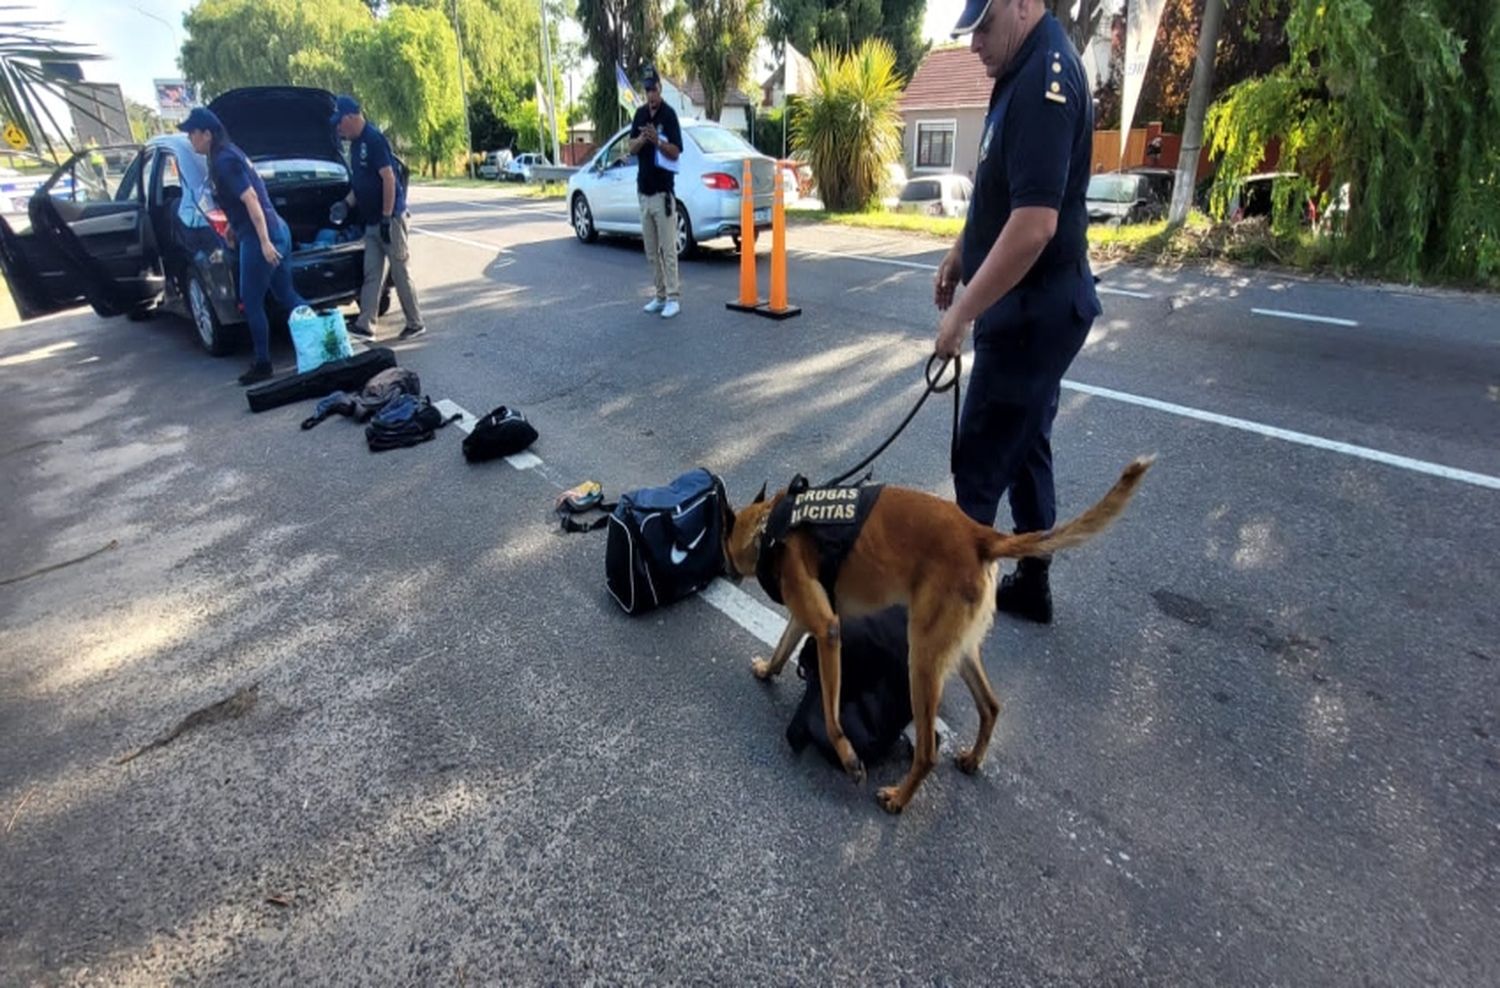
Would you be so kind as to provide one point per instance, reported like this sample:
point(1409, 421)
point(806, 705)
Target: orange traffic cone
point(778, 309)
point(749, 298)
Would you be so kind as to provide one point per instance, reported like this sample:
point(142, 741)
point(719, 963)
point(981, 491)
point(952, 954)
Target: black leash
point(933, 387)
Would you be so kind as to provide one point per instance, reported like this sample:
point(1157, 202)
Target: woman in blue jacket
point(264, 239)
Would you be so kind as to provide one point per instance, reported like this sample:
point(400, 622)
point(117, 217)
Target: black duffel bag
point(874, 689)
point(350, 374)
point(665, 542)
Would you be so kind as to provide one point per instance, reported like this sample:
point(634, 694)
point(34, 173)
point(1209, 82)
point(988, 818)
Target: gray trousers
point(376, 254)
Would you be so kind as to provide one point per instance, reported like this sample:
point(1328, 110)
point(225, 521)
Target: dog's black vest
point(833, 515)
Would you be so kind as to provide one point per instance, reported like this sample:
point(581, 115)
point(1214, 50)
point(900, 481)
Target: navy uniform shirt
point(649, 179)
point(1036, 150)
point(232, 174)
point(368, 153)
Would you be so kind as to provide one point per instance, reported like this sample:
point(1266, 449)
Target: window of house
point(935, 143)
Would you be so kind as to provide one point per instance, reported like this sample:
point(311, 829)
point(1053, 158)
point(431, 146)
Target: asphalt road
point(1257, 748)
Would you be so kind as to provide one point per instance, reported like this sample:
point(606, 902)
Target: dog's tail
point(1080, 529)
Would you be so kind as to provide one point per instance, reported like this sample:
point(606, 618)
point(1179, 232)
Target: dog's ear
point(761, 496)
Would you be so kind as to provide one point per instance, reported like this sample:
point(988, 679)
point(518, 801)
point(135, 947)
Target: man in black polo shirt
point(656, 141)
point(1024, 258)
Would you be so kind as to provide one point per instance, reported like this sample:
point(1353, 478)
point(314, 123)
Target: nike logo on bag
point(679, 556)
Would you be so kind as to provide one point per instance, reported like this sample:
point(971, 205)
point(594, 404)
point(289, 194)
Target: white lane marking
point(524, 461)
point(922, 266)
point(1301, 438)
point(1228, 421)
point(745, 611)
point(542, 207)
point(1304, 317)
point(450, 408)
point(458, 240)
point(466, 423)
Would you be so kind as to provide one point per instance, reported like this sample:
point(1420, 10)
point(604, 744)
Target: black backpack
point(503, 432)
point(665, 542)
point(874, 688)
point(404, 421)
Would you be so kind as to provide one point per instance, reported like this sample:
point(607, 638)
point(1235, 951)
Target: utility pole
point(463, 90)
point(1197, 109)
point(551, 85)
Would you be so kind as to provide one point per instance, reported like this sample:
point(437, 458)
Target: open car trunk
point(305, 205)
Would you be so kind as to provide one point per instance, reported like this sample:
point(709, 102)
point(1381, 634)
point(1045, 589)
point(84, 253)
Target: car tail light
point(721, 182)
point(219, 222)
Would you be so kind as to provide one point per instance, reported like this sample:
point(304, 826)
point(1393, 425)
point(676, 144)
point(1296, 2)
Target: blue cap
point(974, 11)
point(649, 78)
point(342, 107)
point(202, 118)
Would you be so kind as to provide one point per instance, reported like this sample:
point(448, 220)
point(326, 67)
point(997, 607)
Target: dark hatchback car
point(146, 235)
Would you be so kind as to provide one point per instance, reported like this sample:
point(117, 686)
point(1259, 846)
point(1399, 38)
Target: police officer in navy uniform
point(377, 190)
point(1023, 258)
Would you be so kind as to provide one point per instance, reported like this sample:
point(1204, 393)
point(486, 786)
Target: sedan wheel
point(686, 245)
point(211, 332)
point(583, 220)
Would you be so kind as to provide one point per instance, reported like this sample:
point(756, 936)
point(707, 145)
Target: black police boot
point(258, 372)
point(1025, 592)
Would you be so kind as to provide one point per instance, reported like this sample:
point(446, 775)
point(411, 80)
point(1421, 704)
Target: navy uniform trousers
point(1022, 347)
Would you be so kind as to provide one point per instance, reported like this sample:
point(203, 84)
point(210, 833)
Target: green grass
point(937, 226)
point(546, 190)
point(455, 182)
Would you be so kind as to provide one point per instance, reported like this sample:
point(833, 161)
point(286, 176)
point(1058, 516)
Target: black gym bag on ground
point(503, 432)
point(665, 542)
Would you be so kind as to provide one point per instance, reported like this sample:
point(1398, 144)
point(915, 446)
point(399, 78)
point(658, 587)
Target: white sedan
point(602, 193)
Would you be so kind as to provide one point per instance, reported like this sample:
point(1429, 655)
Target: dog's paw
point(761, 668)
point(889, 799)
point(856, 770)
point(967, 762)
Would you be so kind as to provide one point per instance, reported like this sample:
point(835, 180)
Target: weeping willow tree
point(849, 126)
point(29, 52)
point(1400, 99)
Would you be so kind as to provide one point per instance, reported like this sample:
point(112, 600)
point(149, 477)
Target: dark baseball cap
point(649, 78)
point(342, 107)
point(202, 118)
point(974, 11)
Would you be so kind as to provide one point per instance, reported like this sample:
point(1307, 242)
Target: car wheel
point(583, 220)
point(686, 245)
point(211, 333)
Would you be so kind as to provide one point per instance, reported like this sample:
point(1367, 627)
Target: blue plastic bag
point(319, 337)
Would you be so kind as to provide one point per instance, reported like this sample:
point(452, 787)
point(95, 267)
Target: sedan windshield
point(1112, 188)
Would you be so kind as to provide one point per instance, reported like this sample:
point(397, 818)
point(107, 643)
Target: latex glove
point(338, 213)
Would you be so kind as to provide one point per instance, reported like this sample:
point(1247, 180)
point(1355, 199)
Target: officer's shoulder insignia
point(1054, 79)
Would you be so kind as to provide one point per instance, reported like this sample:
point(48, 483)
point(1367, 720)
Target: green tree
point(408, 71)
point(844, 24)
point(849, 127)
point(721, 41)
point(1401, 100)
point(144, 121)
point(624, 33)
point(233, 43)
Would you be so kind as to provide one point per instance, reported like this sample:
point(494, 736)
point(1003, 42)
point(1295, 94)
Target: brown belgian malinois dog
point(921, 551)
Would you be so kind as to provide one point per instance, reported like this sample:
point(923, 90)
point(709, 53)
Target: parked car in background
point(519, 168)
point(890, 189)
point(1256, 196)
point(936, 195)
point(1122, 197)
point(602, 195)
point(149, 235)
point(1159, 182)
point(494, 164)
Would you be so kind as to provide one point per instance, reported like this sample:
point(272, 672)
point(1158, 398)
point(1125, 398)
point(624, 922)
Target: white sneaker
point(655, 305)
point(670, 309)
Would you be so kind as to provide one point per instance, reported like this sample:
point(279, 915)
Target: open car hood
point(280, 122)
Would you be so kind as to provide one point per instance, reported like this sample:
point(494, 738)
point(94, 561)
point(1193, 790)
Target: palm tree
point(29, 55)
point(849, 126)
